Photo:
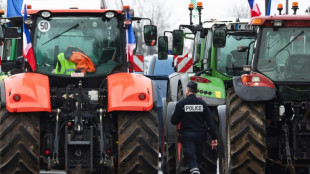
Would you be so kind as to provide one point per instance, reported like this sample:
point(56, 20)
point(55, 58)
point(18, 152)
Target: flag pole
point(286, 11)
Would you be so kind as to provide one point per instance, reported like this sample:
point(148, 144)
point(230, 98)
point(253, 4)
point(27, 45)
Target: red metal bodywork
point(290, 20)
point(124, 90)
point(31, 12)
point(34, 92)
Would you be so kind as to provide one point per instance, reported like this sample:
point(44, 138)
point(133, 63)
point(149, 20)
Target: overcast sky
point(212, 8)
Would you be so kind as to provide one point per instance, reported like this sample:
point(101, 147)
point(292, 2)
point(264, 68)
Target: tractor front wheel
point(19, 142)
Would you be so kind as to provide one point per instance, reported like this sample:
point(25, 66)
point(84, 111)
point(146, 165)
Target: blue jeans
point(193, 143)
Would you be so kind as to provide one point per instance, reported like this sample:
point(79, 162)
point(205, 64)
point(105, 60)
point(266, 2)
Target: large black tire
point(208, 163)
point(138, 142)
point(168, 152)
point(169, 162)
point(19, 142)
point(245, 150)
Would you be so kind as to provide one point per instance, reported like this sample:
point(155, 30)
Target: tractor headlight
point(109, 14)
point(45, 14)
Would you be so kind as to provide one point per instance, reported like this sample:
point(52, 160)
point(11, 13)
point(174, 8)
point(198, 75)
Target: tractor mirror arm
point(138, 19)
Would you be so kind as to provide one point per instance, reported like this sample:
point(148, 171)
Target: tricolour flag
point(131, 41)
point(14, 8)
point(27, 46)
point(254, 8)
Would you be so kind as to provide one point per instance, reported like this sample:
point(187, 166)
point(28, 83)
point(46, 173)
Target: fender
point(170, 129)
point(124, 90)
point(31, 92)
point(221, 109)
point(253, 93)
point(184, 80)
point(174, 80)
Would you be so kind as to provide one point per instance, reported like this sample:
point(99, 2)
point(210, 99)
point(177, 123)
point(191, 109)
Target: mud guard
point(221, 109)
point(170, 129)
point(124, 90)
point(253, 93)
point(33, 90)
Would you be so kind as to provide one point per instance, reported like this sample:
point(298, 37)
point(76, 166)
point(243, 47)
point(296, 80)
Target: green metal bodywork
point(219, 81)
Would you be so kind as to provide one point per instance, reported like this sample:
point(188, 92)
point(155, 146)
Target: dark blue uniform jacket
point(194, 115)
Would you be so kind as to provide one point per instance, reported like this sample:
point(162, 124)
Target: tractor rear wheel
point(138, 142)
point(245, 150)
point(169, 163)
point(19, 142)
point(208, 163)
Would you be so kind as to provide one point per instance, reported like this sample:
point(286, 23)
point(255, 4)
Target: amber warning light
point(126, 7)
point(191, 6)
point(280, 8)
point(199, 4)
point(295, 7)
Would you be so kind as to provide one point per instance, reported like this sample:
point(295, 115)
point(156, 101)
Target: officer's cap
point(192, 85)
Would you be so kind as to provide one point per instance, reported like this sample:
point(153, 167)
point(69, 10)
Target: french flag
point(27, 46)
point(131, 41)
point(254, 8)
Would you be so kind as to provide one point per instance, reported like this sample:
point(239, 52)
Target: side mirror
point(177, 42)
point(150, 35)
point(219, 38)
point(162, 48)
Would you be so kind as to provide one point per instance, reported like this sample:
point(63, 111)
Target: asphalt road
point(62, 172)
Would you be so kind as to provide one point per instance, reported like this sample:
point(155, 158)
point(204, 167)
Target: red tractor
point(81, 110)
point(267, 121)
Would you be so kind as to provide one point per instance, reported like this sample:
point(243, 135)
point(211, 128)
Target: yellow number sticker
point(218, 94)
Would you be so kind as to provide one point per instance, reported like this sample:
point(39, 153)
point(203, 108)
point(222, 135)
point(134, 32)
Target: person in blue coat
point(194, 116)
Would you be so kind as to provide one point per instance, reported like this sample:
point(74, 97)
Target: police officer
point(193, 114)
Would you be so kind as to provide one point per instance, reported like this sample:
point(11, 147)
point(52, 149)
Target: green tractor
point(220, 50)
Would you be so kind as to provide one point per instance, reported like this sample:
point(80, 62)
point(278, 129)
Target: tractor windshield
point(230, 61)
point(74, 45)
point(284, 54)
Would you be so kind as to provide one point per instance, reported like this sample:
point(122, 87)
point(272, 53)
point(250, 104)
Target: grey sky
point(212, 8)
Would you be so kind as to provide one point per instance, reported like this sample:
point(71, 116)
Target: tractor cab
point(234, 46)
point(67, 43)
point(284, 48)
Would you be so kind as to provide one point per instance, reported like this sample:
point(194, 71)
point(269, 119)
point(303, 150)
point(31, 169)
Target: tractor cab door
point(11, 47)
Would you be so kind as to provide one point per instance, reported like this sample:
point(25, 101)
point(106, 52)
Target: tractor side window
point(230, 60)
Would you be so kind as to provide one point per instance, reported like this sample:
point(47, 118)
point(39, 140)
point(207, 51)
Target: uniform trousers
point(193, 143)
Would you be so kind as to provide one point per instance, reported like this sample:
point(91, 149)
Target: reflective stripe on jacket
point(64, 66)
